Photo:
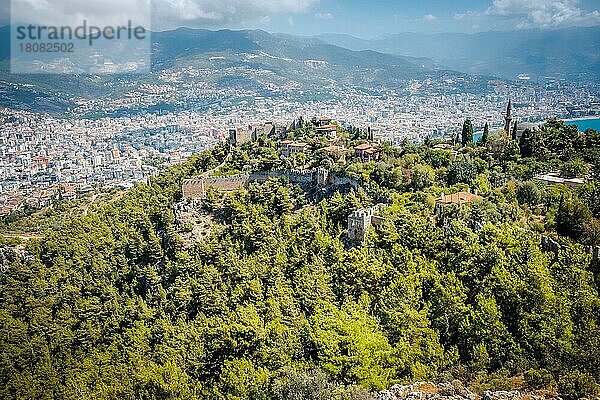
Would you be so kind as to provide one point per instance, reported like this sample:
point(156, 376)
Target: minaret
point(508, 118)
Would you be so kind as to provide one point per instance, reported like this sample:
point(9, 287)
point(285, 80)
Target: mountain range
point(293, 67)
point(572, 53)
point(288, 57)
point(257, 61)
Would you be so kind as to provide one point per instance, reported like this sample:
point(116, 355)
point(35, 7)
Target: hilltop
point(270, 290)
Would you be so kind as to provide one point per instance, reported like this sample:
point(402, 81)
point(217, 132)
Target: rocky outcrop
point(192, 223)
point(453, 391)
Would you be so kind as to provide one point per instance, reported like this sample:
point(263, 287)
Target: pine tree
point(467, 133)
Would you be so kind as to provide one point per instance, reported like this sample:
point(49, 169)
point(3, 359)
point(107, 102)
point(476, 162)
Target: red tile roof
point(364, 146)
point(458, 198)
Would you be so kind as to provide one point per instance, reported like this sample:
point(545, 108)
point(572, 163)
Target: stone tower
point(508, 118)
point(358, 224)
point(360, 221)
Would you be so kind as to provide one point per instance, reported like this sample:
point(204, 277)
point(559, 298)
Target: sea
point(582, 125)
point(585, 123)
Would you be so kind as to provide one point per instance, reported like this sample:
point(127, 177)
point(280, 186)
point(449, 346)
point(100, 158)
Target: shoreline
point(582, 118)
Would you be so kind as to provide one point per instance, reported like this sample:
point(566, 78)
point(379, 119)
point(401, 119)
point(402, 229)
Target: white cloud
point(225, 13)
point(467, 15)
point(324, 16)
point(165, 13)
point(429, 17)
point(544, 13)
point(522, 14)
point(96, 12)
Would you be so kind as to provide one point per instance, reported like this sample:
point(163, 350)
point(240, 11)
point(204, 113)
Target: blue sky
point(361, 18)
point(367, 19)
point(380, 17)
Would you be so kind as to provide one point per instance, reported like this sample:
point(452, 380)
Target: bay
point(583, 124)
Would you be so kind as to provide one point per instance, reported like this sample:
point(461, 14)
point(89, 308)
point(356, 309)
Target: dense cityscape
point(45, 157)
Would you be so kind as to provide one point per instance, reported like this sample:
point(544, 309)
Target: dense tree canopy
point(276, 303)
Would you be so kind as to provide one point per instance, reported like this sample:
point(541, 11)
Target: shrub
point(493, 382)
point(538, 379)
point(576, 385)
point(303, 385)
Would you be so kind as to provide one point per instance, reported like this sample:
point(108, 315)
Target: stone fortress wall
point(196, 188)
point(548, 244)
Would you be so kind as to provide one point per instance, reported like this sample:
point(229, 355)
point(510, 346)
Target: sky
point(366, 19)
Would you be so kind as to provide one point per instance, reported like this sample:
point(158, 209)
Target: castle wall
point(343, 180)
point(197, 187)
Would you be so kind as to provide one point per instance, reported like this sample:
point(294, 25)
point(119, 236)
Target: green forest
point(276, 303)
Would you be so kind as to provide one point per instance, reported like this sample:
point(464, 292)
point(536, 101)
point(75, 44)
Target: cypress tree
point(485, 135)
point(526, 143)
point(514, 131)
point(467, 133)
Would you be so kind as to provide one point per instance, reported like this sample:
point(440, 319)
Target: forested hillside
point(277, 303)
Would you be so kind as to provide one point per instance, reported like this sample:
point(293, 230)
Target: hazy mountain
point(4, 42)
point(572, 53)
point(170, 46)
point(253, 60)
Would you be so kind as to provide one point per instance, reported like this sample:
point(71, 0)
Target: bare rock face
point(452, 391)
point(192, 223)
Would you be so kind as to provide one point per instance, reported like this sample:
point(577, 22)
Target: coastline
point(581, 118)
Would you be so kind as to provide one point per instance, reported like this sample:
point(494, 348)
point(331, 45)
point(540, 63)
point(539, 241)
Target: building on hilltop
point(327, 130)
point(338, 153)
point(239, 136)
point(324, 121)
point(458, 199)
point(322, 176)
point(523, 126)
point(297, 123)
point(366, 152)
point(243, 135)
point(290, 148)
point(360, 221)
point(262, 131)
point(554, 178)
point(269, 129)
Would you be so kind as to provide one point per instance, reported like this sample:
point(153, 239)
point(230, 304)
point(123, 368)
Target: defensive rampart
point(196, 188)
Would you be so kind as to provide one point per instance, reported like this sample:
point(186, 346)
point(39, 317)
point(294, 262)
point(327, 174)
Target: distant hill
point(170, 46)
point(251, 60)
point(4, 42)
point(572, 53)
